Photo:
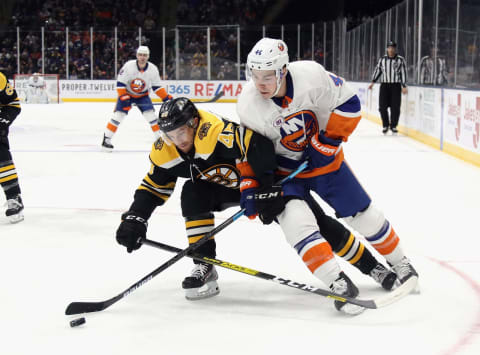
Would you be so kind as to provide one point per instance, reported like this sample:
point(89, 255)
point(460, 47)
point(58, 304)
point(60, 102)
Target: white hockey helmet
point(143, 50)
point(268, 54)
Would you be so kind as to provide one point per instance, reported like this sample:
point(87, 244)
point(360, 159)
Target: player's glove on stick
point(248, 188)
point(322, 150)
point(269, 202)
point(132, 231)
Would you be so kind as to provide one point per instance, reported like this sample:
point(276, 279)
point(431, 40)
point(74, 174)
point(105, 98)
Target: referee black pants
point(390, 96)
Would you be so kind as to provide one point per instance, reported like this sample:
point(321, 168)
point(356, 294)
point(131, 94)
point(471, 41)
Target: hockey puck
point(77, 322)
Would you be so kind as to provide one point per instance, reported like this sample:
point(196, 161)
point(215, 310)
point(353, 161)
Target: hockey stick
point(213, 99)
point(383, 301)
point(86, 307)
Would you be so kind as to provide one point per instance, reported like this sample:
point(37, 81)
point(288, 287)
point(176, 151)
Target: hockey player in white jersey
point(36, 92)
point(308, 112)
point(134, 81)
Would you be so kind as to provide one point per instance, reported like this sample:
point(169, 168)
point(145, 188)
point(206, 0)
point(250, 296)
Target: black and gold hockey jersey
point(8, 95)
point(9, 104)
point(219, 145)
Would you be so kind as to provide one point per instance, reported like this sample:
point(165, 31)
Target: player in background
point(9, 110)
point(220, 158)
point(134, 80)
point(36, 92)
point(308, 112)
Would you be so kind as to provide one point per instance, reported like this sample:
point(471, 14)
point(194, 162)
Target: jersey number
point(9, 90)
point(337, 80)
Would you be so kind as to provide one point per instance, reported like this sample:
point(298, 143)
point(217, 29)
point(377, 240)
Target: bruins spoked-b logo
point(159, 143)
point(222, 174)
point(203, 131)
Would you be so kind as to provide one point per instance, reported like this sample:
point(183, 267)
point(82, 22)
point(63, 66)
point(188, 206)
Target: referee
point(391, 69)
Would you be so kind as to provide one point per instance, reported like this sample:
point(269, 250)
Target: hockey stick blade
point(87, 307)
point(382, 301)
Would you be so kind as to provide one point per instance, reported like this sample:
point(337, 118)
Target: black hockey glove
point(269, 203)
point(132, 231)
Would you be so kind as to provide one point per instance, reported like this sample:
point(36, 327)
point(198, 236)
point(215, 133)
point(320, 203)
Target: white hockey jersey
point(36, 92)
point(137, 82)
point(315, 93)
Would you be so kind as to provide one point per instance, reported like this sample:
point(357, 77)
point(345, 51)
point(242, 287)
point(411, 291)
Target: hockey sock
point(113, 124)
point(317, 255)
point(9, 179)
point(152, 121)
point(353, 250)
point(387, 243)
point(197, 227)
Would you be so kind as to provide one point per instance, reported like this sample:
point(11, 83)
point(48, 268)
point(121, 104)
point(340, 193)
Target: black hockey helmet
point(176, 113)
point(391, 44)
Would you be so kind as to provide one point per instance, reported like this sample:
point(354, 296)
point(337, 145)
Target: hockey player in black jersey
point(219, 158)
point(9, 110)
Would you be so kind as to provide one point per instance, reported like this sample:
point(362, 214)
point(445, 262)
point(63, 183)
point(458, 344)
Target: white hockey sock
point(113, 124)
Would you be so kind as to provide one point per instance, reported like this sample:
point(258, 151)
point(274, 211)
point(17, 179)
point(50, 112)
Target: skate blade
point(208, 290)
point(16, 218)
point(107, 150)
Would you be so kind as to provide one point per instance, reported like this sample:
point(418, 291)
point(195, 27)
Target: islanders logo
point(138, 85)
point(297, 129)
point(281, 47)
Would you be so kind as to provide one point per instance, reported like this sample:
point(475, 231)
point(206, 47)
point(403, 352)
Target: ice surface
point(65, 251)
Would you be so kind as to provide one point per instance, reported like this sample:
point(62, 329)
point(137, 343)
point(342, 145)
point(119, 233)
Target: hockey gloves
point(322, 150)
point(248, 187)
point(269, 202)
point(125, 102)
point(132, 231)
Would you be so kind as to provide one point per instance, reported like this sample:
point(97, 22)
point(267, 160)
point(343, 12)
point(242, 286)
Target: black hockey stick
point(213, 99)
point(86, 307)
point(389, 298)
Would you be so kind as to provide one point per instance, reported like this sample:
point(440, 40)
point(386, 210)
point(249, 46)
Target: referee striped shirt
point(391, 70)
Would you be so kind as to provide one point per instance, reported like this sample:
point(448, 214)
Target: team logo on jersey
point(222, 174)
point(159, 143)
point(203, 131)
point(281, 47)
point(297, 130)
point(138, 85)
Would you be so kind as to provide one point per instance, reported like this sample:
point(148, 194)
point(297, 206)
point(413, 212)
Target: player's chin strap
point(86, 307)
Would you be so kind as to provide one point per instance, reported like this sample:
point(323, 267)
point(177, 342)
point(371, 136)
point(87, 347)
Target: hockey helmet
point(268, 54)
point(391, 44)
point(143, 50)
point(176, 113)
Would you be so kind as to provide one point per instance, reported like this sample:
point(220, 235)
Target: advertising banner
point(104, 90)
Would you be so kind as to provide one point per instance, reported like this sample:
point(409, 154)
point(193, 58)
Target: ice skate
point(385, 277)
point(202, 283)
point(385, 130)
point(345, 287)
point(394, 131)
point(14, 209)
point(107, 144)
point(404, 270)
